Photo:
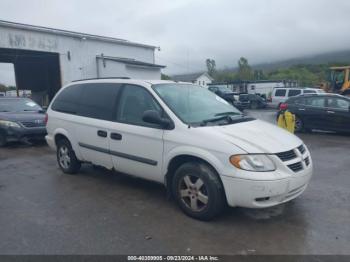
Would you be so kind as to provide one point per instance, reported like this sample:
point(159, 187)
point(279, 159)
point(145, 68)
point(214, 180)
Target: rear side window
point(280, 92)
point(67, 100)
point(294, 92)
point(98, 100)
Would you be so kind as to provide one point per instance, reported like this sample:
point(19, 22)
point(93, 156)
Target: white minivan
point(205, 151)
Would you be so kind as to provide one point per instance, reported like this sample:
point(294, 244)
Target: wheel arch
point(177, 160)
point(61, 133)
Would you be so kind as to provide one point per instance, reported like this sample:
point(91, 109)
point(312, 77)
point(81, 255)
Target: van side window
point(98, 100)
point(309, 92)
point(67, 100)
point(294, 92)
point(134, 101)
point(280, 92)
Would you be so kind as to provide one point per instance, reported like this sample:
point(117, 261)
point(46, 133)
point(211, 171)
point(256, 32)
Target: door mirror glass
point(154, 117)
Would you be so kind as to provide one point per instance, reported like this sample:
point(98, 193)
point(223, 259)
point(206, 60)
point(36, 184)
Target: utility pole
point(188, 60)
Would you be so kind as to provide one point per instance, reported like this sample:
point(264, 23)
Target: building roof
point(71, 34)
point(190, 77)
point(130, 61)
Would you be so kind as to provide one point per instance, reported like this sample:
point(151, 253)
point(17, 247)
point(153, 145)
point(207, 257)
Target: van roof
point(123, 80)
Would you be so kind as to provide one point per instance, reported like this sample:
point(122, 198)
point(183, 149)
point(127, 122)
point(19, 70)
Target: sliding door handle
point(116, 136)
point(102, 133)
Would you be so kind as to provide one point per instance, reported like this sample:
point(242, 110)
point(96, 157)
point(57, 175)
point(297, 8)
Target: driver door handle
point(330, 112)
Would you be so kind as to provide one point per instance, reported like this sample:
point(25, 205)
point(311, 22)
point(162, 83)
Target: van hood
point(257, 137)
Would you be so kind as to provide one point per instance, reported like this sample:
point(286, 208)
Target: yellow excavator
point(339, 81)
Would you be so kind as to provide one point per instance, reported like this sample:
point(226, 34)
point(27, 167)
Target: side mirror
point(153, 117)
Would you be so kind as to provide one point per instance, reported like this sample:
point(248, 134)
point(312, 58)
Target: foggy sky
point(189, 31)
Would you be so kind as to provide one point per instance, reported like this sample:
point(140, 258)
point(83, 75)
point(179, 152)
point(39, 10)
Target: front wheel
point(198, 190)
point(66, 158)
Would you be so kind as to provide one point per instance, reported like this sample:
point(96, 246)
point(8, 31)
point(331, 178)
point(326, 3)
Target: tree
point(165, 77)
point(244, 69)
point(211, 66)
point(259, 75)
point(11, 88)
point(3, 88)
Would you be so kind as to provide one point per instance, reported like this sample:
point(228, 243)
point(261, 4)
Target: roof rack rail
point(96, 78)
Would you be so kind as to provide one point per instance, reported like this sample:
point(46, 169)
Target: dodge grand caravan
point(199, 146)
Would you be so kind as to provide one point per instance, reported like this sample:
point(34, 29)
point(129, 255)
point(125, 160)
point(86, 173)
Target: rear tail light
point(46, 118)
point(283, 106)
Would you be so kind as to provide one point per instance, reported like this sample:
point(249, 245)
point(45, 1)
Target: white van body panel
point(146, 152)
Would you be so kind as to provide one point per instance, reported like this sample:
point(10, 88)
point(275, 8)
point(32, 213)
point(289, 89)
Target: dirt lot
point(43, 211)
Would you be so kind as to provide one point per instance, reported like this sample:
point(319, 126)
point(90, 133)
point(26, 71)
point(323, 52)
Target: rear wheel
point(66, 158)
point(299, 125)
point(198, 190)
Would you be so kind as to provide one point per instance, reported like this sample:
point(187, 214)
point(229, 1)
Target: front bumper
point(17, 134)
point(260, 194)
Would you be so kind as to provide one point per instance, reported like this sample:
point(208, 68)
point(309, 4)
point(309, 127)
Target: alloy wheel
point(63, 156)
point(193, 193)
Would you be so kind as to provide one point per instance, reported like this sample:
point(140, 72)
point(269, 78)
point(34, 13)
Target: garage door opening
point(36, 71)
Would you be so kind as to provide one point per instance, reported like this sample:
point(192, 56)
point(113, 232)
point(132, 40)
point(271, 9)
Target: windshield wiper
point(215, 119)
point(228, 113)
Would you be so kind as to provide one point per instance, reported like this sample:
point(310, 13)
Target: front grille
point(307, 161)
point(288, 155)
point(296, 167)
point(33, 124)
point(301, 149)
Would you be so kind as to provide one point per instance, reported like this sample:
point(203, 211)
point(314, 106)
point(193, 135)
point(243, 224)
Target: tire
point(2, 139)
point(299, 125)
point(198, 190)
point(66, 158)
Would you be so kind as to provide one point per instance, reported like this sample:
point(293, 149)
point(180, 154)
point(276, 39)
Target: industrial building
point(44, 58)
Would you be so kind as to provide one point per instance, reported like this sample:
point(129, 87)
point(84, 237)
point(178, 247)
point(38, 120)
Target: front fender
point(196, 152)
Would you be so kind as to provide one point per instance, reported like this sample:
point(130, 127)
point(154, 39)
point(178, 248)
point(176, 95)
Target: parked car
point(228, 95)
point(205, 151)
point(281, 94)
point(252, 101)
point(328, 112)
point(20, 118)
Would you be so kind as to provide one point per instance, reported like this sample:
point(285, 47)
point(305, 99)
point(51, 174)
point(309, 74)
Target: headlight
point(257, 163)
point(9, 123)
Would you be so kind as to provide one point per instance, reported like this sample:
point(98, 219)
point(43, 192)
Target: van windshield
point(194, 104)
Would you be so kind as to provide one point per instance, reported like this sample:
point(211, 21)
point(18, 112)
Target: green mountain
point(339, 57)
